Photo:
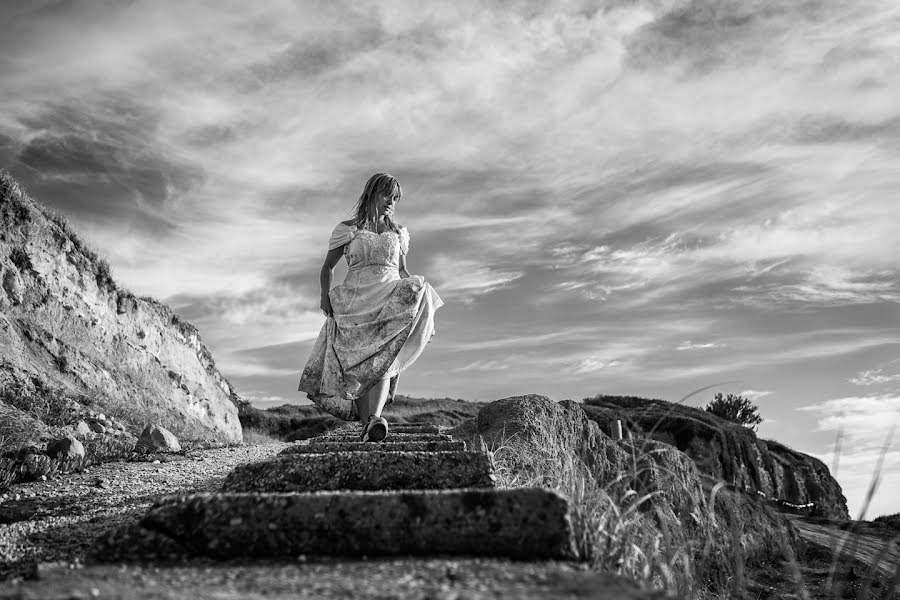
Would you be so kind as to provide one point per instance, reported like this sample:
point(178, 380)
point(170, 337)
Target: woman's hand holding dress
point(325, 305)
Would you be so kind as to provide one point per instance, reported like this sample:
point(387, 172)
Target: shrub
point(736, 409)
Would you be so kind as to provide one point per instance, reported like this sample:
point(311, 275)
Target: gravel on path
point(58, 519)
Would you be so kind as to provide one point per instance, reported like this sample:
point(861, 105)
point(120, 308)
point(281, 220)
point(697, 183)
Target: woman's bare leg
point(377, 397)
point(362, 408)
point(373, 401)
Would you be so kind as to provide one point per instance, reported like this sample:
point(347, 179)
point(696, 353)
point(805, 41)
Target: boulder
point(727, 452)
point(157, 439)
point(97, 426)
point(82, 429)
point(65, 448)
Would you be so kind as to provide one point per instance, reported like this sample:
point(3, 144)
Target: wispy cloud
point(874, 377)
point(689, 345)
point(755, 395)
point(465, 279)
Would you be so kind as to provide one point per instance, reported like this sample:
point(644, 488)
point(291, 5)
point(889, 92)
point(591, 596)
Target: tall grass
point(611, 529)
point(624, 526)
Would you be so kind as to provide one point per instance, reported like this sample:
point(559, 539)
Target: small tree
point(736, 409)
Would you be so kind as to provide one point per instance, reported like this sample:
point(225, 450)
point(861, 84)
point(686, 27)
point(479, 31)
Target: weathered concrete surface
point(524, 523)
point(316, 447)
point(363, 471)
point(332, 578)
point(413, 428)
point(391, 437)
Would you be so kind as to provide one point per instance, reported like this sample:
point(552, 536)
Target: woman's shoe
point(375, 430)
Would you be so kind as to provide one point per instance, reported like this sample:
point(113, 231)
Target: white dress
point(381, 322)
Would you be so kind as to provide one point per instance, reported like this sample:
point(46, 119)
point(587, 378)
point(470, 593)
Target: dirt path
point(883, 556)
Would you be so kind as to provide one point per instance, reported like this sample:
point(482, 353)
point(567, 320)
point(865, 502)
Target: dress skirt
point(380, 326)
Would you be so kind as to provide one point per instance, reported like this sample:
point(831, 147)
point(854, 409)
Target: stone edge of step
point(148, 539)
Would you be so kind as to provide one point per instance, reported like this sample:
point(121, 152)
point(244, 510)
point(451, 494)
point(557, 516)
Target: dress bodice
point(363, 248)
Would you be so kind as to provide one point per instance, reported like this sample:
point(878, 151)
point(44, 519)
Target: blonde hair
point(379, 183)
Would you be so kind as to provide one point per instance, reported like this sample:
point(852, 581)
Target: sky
point(641, 197)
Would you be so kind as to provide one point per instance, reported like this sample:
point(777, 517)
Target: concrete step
point(314, 447)
point(521, 523)
point(363, 471)
point(391, 437)
point(414, 428)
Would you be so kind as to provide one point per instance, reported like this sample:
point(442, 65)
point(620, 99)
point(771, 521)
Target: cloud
point(689, 345)
point(874, 377)
point(486, 365)
point(591, 364)
point(865, 428)
point(465, 279)
point(755, 395)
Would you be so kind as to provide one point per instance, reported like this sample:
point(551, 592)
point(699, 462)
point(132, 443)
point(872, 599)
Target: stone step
point(521, 523)
point(363, 471)
point(391, 437)
point(414, 428)
point(314, 447)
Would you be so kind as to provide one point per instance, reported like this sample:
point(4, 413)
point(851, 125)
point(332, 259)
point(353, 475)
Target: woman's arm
point(325, 275)
point(403, 272)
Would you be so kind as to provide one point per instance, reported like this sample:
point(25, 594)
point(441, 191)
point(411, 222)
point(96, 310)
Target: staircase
point(419, 493)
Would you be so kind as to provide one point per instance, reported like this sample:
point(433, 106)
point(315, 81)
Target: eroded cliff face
point(64, 324)
point(728, 452)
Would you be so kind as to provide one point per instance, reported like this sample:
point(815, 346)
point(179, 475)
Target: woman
point(379, 318)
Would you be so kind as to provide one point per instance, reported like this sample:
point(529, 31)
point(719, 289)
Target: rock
point(82, 429)
point(554, 434)
point(13, 286)
point(96, 426)
point(66, 448)
point(157, 439)
point(727, 452)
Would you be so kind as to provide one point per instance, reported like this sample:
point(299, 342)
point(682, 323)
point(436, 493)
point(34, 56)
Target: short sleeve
point(341, 235)
point(404, 241)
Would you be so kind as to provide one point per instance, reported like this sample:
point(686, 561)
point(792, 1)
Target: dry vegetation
point(617, 531)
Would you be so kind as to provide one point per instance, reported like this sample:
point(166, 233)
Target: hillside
point(75, 345)
point(728, 452)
